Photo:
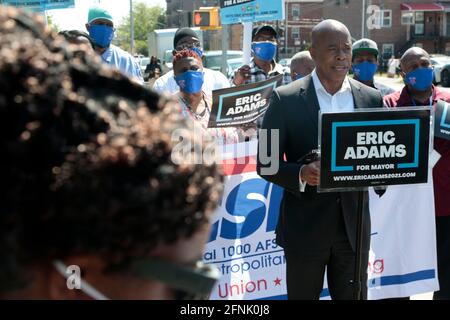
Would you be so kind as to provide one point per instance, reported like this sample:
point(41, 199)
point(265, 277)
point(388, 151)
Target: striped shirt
point(257, 74)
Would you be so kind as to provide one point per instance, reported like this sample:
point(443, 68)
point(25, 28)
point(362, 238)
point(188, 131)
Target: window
point(386, 18)
point(387, 50)
point(419, 23)
point(295, 11)
point(295, 33)
point(407, 18)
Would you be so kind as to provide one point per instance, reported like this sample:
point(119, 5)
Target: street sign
point(374, 147)
point(40, 5)
point(238, 11)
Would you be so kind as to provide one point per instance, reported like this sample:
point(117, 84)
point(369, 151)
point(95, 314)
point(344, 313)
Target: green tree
point(146, 19)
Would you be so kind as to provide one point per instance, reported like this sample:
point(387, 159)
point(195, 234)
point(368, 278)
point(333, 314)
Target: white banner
point(403, 259)
point(242, 244)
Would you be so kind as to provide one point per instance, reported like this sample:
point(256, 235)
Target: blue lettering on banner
point(253, 211)
point(257, 10)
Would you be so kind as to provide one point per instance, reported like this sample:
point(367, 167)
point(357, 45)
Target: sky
point(76, 18)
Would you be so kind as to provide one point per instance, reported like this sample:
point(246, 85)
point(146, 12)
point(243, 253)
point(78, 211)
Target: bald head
point(414, 52)
point(302, 64)
point(414, 58)
point(326, 28)
point(331, 51)
point(300, 57)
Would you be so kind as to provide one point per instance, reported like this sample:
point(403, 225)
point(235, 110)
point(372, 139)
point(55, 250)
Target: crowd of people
point(89, 177)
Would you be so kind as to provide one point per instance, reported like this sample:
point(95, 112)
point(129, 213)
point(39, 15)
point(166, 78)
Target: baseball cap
point(96, 13)
point(181, 33)
point(365, 45)
point(258, 29)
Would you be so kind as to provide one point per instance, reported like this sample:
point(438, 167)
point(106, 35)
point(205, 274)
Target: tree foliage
point(146, 19)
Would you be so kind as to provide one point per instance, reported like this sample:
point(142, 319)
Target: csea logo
point(249, 202)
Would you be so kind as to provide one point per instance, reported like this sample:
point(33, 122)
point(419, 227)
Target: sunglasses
point(188, 46)
point(189, 282)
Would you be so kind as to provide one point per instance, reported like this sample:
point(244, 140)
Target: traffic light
point(202, 18)
point(206, 17)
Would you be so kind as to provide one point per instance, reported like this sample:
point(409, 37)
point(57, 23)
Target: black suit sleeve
point(287, 175)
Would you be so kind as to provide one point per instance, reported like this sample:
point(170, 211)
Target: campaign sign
point(374, 147)
point(40, 5)
point(238, 11)
point(442, 120)
point(243, 104)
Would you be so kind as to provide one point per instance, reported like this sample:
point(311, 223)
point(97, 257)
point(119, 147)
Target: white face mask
point(85, 287)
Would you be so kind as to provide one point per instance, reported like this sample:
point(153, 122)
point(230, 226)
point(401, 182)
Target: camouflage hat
point(365, 45)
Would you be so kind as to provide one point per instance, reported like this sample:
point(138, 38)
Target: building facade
point(300, 17)
point(395, 25)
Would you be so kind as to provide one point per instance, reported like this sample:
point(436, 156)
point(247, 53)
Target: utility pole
point(225, 37)
point(131, 27)
point(363, 15)
point(286, 29)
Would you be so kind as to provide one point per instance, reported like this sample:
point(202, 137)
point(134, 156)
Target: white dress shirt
point(339, 102)
point(213, 80)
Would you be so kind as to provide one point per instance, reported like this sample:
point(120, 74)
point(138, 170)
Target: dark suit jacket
point(308, 220)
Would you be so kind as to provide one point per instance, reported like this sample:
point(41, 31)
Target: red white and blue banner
point(242, 244)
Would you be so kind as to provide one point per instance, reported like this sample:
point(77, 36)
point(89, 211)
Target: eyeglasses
point(188, 45)
point(188, 282)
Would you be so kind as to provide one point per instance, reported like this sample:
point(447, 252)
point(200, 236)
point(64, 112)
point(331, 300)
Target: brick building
point(413, 23)
point(394, 24)
point(179, 14)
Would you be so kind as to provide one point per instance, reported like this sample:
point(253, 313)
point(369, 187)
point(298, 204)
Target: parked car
point(441, 64)
point(213, 59)
point(143, 62)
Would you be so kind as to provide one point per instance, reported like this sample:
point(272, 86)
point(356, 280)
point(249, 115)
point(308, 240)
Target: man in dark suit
point(316, 230)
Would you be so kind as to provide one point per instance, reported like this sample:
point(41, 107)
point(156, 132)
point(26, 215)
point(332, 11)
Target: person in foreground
point(94, 205)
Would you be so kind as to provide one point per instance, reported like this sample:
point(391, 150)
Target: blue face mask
point(265, 51)
point(365, 71)
point(298, 76)
point(420, 79)
point(190, 81)
point(102, 35)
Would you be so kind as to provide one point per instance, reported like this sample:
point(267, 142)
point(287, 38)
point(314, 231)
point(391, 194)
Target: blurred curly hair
point(86, 158)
